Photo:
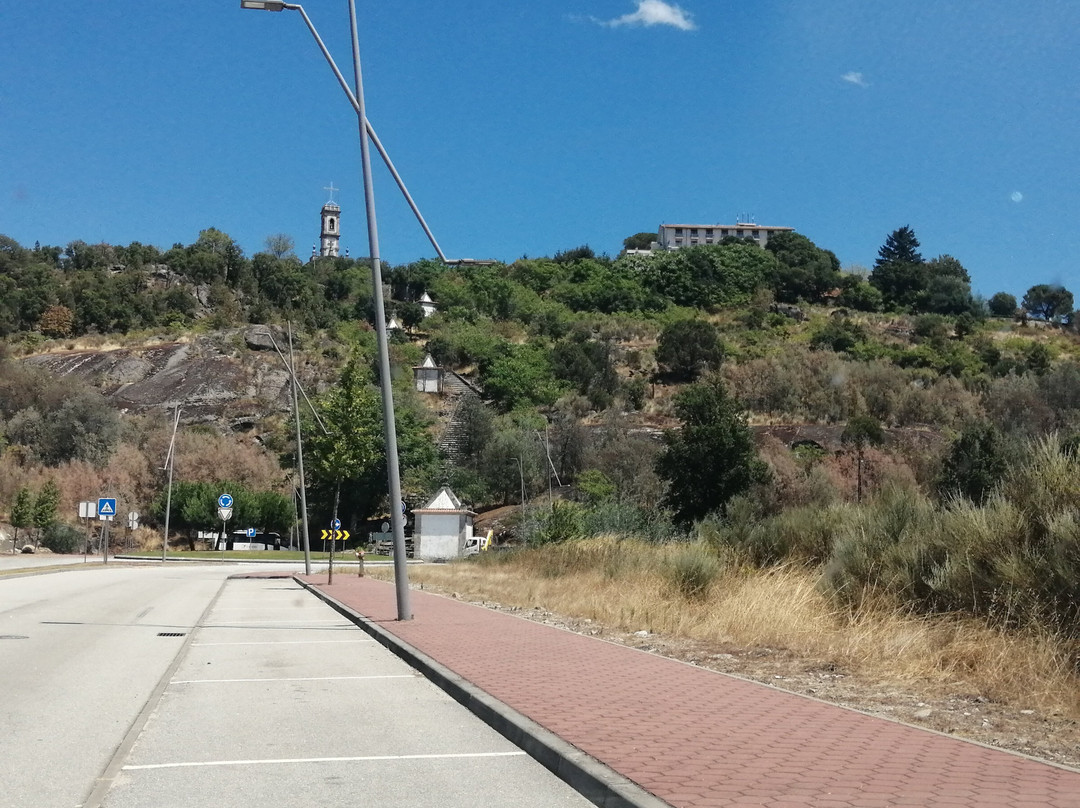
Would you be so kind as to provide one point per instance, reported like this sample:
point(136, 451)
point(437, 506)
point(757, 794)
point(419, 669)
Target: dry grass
point(630, 586)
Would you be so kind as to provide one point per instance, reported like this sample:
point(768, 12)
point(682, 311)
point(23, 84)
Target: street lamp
point(279, 5)
point(389, 427)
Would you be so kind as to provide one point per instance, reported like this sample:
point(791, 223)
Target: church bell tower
point(331, 226)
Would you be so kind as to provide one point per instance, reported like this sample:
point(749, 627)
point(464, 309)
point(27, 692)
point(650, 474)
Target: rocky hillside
point(233, 378)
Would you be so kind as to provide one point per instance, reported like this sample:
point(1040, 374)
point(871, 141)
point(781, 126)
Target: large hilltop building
point(674, 236)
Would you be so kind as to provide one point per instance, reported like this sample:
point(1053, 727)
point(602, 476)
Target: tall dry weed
point(628, 585)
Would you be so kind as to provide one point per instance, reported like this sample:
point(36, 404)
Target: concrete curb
point(599, 784)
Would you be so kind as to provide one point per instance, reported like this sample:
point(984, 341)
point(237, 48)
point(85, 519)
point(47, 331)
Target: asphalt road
point(266, 698)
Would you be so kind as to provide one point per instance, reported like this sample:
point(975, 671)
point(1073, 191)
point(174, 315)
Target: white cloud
point(855, 78)
point(655, 12)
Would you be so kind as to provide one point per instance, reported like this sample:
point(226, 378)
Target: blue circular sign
point(225, 501)
point(337, 524)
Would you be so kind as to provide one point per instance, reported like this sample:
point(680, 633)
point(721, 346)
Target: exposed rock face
point(210, 379)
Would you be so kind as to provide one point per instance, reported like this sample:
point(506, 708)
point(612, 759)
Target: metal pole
point(300, 458)
point(401, 574)
point(170, 461)
point(333, 521)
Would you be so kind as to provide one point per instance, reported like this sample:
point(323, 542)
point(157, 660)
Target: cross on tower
point(331, 189)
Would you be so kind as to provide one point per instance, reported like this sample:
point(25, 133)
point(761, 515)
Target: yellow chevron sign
point(335, 535)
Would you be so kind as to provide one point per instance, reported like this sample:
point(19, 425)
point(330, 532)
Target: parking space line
point(357, 759)
point(293, 679)
point(367, 640)
point(241, 623)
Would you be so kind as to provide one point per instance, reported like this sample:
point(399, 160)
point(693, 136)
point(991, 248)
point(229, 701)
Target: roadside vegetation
point(873, 466)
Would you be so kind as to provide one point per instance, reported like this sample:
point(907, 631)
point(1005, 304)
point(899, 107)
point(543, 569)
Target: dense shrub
point(1015, 560)
point(691, 569)
point(804, 534)
point(61, 538)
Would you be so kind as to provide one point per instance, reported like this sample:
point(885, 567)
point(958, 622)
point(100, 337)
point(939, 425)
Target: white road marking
point(317, 605)
point(290, 679)
point(241, 623)
point(280, 642)
point(360, 759)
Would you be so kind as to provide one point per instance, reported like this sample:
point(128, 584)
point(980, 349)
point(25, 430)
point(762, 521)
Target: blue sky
point(523, 128)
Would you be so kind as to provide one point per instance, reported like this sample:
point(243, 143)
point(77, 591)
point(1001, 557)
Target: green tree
point(900, 246)
point(688, 348)
point(705, 275)
point(522, 376)
point(899, 271)
point(856, 293)
point(1048, 302)
point(862, 431)
point(45, 505)
point(1002, 304)
point(352, 452)
point(711, 457)
point(22, 514)
point(976, 463)
point(587, 364)
point(805, 272)
point(348, 453)
point(639, 241)
point(411, 314)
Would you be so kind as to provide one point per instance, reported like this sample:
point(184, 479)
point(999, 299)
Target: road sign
point(336, 524)
point(106, 508)
point(335, 535)
point(133, 519)
point(251, 532)
point(224, 514)
point(225, 501)
point(403, 508)
point(87, 510)
point(385, 527)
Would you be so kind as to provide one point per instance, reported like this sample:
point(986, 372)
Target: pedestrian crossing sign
point(106, 507)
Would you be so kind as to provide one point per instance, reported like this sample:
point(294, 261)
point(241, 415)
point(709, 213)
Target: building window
point(739, 232)
point(709, 232)
point(708, 239)
point(757, 233)
point(693, 231)
point(678, 231)
point(723, 232)
point(678, 242)
point(693, 241)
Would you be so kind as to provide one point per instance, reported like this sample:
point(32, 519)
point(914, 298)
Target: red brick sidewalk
point(696, 738)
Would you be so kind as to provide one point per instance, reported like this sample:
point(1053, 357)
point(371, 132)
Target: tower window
point(330, 224)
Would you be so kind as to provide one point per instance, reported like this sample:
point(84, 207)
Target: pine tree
point(22, 514)
point(45, 505)
point(901, 246)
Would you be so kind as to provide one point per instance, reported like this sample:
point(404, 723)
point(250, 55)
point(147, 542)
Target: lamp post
point(389, 427)
point(170, 463)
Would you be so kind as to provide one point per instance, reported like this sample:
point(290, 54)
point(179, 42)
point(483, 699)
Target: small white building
point(428, 305)
point(393, 325)
point(442, 528)
point(428, 376)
